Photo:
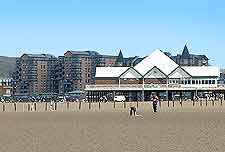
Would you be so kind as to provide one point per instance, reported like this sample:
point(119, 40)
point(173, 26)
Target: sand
point(172, 129)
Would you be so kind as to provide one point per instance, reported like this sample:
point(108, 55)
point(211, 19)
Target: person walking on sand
point(155, 100)
point(51, 106)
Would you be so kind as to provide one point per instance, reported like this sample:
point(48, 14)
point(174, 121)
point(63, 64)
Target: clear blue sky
point(135, 26)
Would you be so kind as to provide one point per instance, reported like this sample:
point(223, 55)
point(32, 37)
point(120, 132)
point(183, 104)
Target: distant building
point(7, 66)
point(5, 87)
point(187, 59)
point(79, 67)
point(130, 61)
point(77, 70)
point(44, 73)
point(35, 74)
point(105, 60)
point(222, 77)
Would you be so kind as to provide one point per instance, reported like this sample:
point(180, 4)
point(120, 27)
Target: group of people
point(154, 99)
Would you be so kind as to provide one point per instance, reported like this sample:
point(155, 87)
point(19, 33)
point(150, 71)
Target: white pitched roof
point(110, 72)
point(155, 73)
point(131, 73)
point(179, 73)
point(202, 71)
point(158, 59)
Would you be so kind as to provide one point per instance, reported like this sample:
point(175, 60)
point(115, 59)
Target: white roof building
point(157, 72)
point(157, 65)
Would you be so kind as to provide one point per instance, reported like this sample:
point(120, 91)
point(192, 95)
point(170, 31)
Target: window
point(200, 82)
point(210, 81)
point(203, 81)
point(206, 81)
point(193, 81)
point(189, 81)
point(182, 81)
point(196, 81)
point(213, 81)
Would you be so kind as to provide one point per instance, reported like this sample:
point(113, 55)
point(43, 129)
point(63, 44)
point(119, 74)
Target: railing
point(114, 86)
point(150, 87)
point(129, 86)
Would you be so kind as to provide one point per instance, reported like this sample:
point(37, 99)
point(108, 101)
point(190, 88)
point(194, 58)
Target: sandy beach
point(173, 129)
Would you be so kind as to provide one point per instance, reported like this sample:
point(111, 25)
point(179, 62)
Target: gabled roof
point(78, 52)
point(155, 72)
point(200, 57)
point(92, 53)
point(179, 72)
point(202, 71)
point(109, 72)
point(39, 55)
point(131, 73)
point(158, 59)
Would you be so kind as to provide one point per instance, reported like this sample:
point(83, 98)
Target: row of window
point(193, 81)
point(5, 83)
point(131, 79)
point(43, 66)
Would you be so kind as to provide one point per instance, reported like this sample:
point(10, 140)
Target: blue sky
point(138, 27)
